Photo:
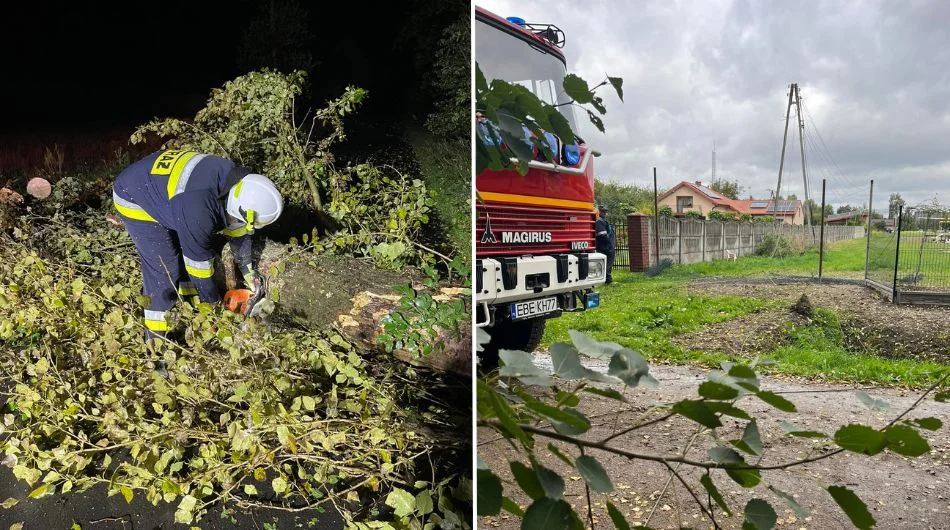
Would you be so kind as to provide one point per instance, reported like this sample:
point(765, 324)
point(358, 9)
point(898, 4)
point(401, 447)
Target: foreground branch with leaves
point(526, 404)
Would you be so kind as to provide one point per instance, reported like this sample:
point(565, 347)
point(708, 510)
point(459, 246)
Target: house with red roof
point(688, 197)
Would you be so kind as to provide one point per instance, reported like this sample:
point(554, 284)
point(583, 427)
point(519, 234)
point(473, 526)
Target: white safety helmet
point(255, 202)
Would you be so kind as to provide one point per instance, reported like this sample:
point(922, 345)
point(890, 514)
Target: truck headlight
point(596, 269)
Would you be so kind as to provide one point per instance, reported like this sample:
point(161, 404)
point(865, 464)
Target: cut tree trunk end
point(352, 296)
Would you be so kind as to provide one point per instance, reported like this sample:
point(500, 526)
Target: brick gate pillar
point(638, 241)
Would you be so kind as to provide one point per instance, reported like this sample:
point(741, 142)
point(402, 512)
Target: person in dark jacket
point(606, 240)
point(172, 203)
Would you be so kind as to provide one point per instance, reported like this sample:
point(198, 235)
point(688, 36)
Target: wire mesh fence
point(912, 259)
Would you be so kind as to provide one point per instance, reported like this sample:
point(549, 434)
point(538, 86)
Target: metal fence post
point(679, 240)
point(897, 252)
point(867, 250)
point(821, 242)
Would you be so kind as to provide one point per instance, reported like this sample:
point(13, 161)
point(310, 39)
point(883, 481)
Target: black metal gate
point(622, 254)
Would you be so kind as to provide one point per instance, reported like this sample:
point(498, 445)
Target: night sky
point(74, 66)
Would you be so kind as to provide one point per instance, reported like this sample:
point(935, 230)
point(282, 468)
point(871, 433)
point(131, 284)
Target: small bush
point(657, 268)
point(722, 216)
point(694, 215)
point(666, 211)
point(776, 246)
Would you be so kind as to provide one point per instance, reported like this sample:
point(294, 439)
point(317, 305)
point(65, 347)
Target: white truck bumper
point(504, 281)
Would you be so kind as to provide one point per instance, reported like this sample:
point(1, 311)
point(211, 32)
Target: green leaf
point(560, 126)
point(9, 503)
point(741, 371)
point(942, 396)
point(724, 455)
point(424, 502)
point(617, 83)
point(39, 492)
point(710, 486)
point(577, 89)
point(747, 478)
point(853, 507)
point(872, 403)
point(489, 493)
point(791, 502)
point(629, 367)
point(698, 412)
point(527, 479)
point(250, 489)
point(607, 393)
point(521, 365)
point(566, 363)
point(571, 429)
point(860, 439)
point(551, 482)
point(931, 424)
point(509, 506)
point(717, 391)
point(594, 474)
point(401, 501)
point(904, 440)
point(549, 514)
point(567, 398)
point(795, 430)
point(751, 437)
point(776, 401)
point(573, 419)
point(759, 515)
point(592, 348)
point(127, 493)
point(557, 452)
point(279, 484)
point(728, 410)
point(505, 415)
point(620, 523)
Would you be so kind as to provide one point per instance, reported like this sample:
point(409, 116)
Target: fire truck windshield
point(502, 55)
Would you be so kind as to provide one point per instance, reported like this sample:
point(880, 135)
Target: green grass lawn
point(644, 314)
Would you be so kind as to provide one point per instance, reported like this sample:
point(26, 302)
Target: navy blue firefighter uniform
point(606, 241)
point(173, 203)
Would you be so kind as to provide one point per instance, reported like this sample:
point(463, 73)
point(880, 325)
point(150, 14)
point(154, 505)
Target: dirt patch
point(745, 336)
point(869, 323)
point(899, 492)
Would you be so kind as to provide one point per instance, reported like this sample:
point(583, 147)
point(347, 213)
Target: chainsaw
point(250, 303)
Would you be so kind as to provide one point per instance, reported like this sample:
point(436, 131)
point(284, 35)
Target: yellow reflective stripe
point(187, 289)
point(198, 269)
point(156, 325)
point(199, 273)
point(235, 232)
point(155, 320)
point(237, 188)
point(130, 209)
point(176, 172)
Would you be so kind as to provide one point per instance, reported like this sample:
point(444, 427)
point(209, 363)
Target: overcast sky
point(874, 77)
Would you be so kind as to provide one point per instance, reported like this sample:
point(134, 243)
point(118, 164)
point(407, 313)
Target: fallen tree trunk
point(354, 296)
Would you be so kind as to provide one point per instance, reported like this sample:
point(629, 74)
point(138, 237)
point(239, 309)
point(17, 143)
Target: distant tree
point(451, 81)
point(847, 208)
point(278, 37)
point(894, 205)
point(621, 199)
point(815, 209)
point(729, 188)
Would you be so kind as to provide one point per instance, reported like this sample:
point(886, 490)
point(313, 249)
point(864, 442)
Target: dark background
point(83, 66)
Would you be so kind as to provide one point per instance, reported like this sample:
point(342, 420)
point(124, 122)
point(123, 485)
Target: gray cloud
point(875, 77)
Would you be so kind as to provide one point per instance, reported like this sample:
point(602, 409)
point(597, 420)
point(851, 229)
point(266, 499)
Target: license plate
point(533, 308)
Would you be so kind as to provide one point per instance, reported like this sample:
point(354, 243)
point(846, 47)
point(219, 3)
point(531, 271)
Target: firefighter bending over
point(173, 202)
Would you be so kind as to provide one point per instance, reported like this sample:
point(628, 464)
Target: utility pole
point(794, 98)
point(781, 164)
point(801, 143)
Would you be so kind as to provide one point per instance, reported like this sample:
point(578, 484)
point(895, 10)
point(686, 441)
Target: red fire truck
point(534, 233)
